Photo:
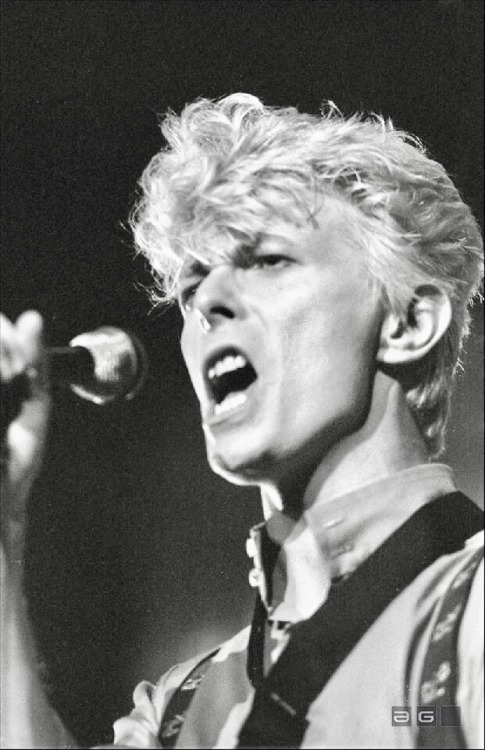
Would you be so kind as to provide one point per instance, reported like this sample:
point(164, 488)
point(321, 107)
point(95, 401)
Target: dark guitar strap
point(321, 643)
point(178, 705)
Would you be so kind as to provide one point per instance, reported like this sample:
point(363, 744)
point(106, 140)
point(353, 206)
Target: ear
point(407, 340)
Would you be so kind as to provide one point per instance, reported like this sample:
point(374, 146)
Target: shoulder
point(461, 589)
point(470, 637)
point(471, 630)
point(456, 647)
point(470, 577)
point(470, 652)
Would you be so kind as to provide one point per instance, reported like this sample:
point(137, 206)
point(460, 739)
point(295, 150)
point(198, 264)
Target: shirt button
point(250, 547)
point(254, 578)
point(332, 522)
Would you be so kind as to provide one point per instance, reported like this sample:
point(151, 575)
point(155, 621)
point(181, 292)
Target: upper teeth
point(227, 364)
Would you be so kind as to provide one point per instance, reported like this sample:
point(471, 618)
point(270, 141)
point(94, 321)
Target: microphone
point(101, 366)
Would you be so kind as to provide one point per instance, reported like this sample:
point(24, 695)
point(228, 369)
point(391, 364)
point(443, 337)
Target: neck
point(388, 442)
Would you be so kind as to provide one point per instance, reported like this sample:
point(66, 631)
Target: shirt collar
point(334, 536)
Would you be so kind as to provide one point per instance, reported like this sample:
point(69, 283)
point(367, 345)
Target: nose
point(218, 297)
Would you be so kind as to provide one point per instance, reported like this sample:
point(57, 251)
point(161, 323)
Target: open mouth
point(228, 374)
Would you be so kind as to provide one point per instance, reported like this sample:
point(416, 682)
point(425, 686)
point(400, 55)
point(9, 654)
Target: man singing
point(323, 266)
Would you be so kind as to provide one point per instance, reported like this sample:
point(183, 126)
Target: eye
point(186, 296)
point(271, 260)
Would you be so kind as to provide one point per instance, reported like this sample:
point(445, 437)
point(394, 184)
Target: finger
point(30, 329)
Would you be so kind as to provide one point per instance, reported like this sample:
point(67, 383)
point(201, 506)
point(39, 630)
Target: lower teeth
point(230, 402)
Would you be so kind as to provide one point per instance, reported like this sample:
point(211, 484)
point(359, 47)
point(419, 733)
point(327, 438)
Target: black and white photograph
point(241, 358)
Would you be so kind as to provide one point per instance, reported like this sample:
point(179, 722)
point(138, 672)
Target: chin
point(240, 467)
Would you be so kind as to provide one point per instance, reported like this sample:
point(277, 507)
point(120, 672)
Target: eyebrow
point(194, 268)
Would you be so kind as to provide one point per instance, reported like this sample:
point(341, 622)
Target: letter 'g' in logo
point(426, 716)
point(401, 716)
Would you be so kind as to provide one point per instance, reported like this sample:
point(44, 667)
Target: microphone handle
point(67, 364)
point(12, 396)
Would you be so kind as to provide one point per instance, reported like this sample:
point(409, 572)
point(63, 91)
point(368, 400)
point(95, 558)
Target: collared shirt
point(331, 540)
point(336, 534)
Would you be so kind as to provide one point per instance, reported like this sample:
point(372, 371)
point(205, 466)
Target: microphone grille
point(120, 365)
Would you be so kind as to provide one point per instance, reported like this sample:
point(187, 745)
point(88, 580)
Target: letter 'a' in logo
point(401, 716)
point(426, 716)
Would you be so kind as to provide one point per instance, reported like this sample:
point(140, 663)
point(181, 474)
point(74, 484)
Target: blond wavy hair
point(234, 166)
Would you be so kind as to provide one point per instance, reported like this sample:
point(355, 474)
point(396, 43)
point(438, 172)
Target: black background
point(136, 551)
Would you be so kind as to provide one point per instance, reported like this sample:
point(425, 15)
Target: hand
point(27, 719)
point(25, 405)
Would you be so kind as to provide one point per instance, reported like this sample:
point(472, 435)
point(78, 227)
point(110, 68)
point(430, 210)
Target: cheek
point(330, 357)
point(184, 346)
point(189, 355)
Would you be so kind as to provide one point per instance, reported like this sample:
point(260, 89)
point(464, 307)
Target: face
point(279, 341)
